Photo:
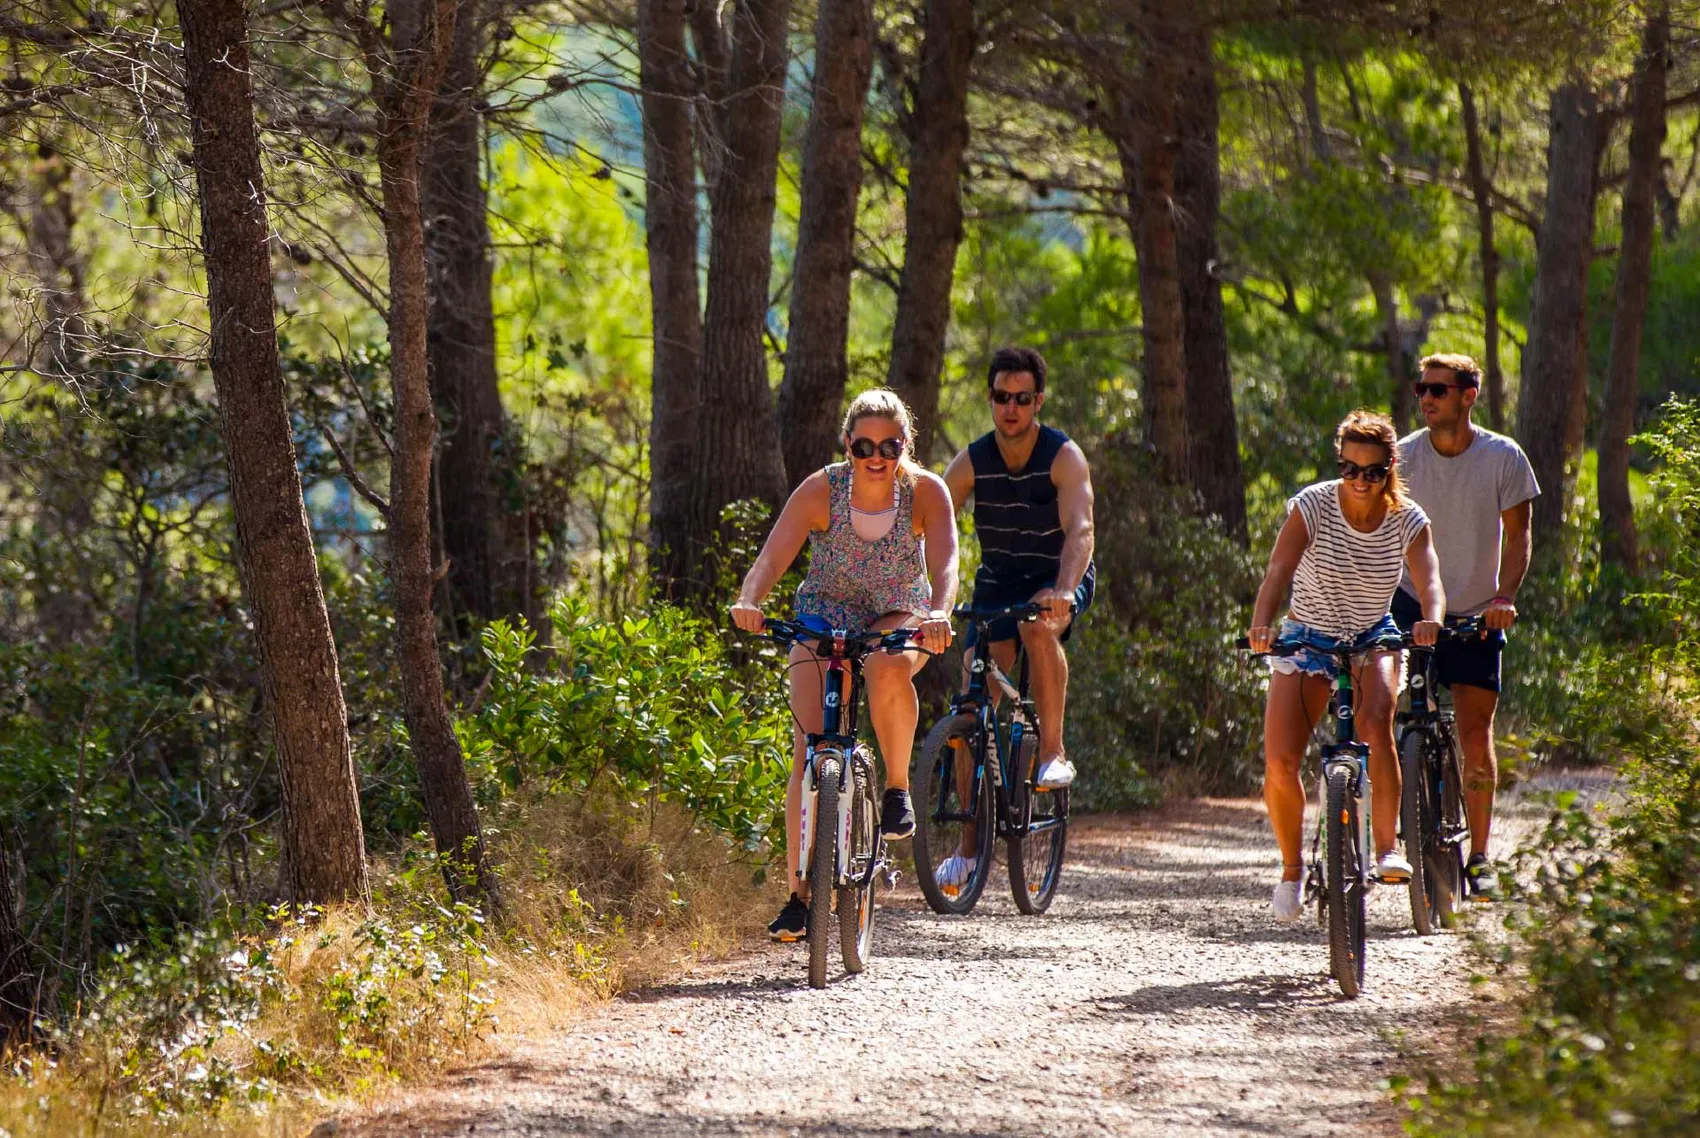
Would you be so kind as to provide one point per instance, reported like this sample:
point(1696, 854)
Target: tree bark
point(421, 38)
point(1153, 103)
point(737, 446)
point(1546, 403)
point(1492, 374)
point(1634, 270)
point(20, 975)
point(298, 661)
point(932, 214)
point(816, 367)
point(1213, 445)
point(483, 526)
point(670, 215)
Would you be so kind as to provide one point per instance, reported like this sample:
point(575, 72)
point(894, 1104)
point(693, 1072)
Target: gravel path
point(1156, 997)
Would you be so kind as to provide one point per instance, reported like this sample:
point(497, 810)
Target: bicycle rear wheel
point(1345, 886)
point(1417, 827)
point(955, 793)
point(856, 900)
point(823, 866)
point(1036, 851)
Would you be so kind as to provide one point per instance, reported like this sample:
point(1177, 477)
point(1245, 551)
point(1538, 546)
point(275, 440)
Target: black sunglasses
point(1022, 398)
point(1438, 390)
point(1370, 474)
point(889, 449)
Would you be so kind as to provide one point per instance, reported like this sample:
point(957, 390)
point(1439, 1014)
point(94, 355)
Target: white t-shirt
point(1463, 497)
point(1345, 580)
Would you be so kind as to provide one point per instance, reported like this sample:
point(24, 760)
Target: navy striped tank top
point(1016, 518)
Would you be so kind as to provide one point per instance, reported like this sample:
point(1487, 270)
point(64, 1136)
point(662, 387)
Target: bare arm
point(1424, 565)
point(959, 478)
point(1515, 546)
point(809, 508)
point(1290, 546)
point(1073, 480)
point(937, 518)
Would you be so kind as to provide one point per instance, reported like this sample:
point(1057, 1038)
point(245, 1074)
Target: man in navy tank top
point(1033, 512)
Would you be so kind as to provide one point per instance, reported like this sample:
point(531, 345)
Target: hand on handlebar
point(748, 616)
point(1058, 607)
point(936, 632)
point(1260, 638)
point(1425, 633)
point(1498, 616)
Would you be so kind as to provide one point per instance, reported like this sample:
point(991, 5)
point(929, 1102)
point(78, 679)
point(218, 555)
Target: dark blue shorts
point(1005, 628)
point(1473, 662)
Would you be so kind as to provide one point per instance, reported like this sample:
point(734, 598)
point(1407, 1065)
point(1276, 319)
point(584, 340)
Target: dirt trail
point(1157, 997)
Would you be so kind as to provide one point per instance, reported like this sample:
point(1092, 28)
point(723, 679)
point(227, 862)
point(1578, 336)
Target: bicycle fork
point(821, 753)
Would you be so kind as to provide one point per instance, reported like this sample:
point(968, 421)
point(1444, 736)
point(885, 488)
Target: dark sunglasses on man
point(1438, 390)
point(1350, 471)
point(1022, 398)
point(889, 449)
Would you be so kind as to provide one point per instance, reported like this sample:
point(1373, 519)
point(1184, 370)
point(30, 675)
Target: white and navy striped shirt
point(1345, 580)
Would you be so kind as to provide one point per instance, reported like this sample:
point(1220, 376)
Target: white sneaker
point(1289, 899)
point(953, 873)
point(1393, 868)
point(1055, 775)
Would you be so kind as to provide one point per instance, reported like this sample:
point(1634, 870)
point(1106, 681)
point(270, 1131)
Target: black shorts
point(1004, 628)
point(1473, 662)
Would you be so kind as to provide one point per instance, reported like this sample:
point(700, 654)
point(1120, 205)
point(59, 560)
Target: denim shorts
point(1317, 658)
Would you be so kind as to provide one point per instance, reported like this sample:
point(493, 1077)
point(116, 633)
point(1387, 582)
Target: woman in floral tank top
point(882, 540)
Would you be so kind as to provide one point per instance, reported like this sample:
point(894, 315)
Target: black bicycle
point(1341, 866)
point(1431, 811)
point(976, 785)
point(840, 851)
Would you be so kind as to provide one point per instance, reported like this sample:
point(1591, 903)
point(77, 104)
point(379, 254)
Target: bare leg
point(1048, 666)
point(1295, 703)
point(1376, 680)
point(892, 703)
point(1474, 708)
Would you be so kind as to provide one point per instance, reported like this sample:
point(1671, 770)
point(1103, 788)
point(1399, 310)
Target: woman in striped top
point(1342, 549)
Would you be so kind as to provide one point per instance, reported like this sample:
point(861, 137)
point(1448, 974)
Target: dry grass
point(354, 1005)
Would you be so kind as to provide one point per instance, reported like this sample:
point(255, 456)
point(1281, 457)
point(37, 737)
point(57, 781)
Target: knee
point(887, 675)
point(1036, 635)
point(1281, 765)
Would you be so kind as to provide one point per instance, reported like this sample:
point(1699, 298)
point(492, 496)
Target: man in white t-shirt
point(1476, 487)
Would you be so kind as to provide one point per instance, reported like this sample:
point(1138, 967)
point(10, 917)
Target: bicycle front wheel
point(856, 900)
point(823, 866)
point(1345, 886)
point(1036, 850)
point(1417, 827)
point(953, 816)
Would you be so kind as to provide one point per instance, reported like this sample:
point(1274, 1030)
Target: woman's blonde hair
point(884, 403)
point(1376, 429)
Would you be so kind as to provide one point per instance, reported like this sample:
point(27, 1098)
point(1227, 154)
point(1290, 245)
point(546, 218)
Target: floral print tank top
point(852, 582)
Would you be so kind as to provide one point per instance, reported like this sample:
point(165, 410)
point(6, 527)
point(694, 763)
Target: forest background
point(392, 392)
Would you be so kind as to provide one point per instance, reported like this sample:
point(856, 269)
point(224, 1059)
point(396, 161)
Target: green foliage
point(649, 707)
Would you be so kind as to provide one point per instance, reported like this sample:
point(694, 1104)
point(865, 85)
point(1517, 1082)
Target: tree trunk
point(20, 977)
point(1492, 375)
point(1213, 444)
point(298, 662)
point(1546, 401)
point(422, 37)
point(737, 446)
point(478, 462)
point(932, 214)
point(670, 216)
point(816, 367)
point(1154, 104)
point(1635, 259)
point(1392, 341)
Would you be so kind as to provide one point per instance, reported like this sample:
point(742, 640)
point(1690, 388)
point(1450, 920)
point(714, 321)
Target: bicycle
point(847, 857)
point(1340, 863)
point(977, 772)
point(1431, 811)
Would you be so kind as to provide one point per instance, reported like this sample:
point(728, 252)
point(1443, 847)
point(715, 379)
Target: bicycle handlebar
point(1024, 612)
point(855, 643)
point(1455, 630)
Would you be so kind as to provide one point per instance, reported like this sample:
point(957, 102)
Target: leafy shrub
point(645, 708)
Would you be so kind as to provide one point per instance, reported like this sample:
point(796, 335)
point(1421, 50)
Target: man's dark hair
point(1017, 359)
point(1466, 370)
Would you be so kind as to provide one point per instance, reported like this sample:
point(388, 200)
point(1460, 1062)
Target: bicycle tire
point(1036, 860)
point(1345, 888)
point(823, 866)
point(1449, 853)
point(1417, 827)
point(934, 842)
point(856, 901)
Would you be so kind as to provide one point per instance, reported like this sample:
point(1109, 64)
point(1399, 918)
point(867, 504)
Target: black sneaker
point(1483, 881)
point(792, 923)
point(897, 816)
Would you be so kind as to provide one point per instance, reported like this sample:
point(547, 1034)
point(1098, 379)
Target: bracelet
point(1501, 598)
